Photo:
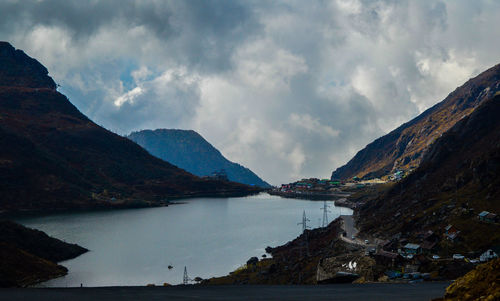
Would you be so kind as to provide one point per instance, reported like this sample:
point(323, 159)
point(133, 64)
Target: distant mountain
point(54, 157)
point(459, 177)
point(404, 147)
point(190, 151)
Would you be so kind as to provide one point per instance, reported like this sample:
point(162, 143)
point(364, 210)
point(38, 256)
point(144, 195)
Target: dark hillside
point(29, 256)
point(458, 178)
point(54, 157)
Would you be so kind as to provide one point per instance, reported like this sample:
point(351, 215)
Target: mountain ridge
point(188, 150)
point(404, 147)
point(458, 178)
point(54, 157)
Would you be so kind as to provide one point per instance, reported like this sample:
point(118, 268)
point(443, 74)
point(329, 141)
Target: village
point(402, 257)
point(415, 259)
point(322, 189)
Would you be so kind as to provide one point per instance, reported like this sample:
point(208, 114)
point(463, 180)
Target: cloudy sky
point(290, 89)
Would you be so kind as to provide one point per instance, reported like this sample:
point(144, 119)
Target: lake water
point(211, 236)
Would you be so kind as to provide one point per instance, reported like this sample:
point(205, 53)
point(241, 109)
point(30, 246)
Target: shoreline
point(312, 196)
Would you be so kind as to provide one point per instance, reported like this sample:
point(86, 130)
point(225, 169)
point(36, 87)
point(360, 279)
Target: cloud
point(290, 89)
point(129, 96)
point(312, 125)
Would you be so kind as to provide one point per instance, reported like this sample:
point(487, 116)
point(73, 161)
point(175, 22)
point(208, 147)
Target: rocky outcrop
point(19, 70)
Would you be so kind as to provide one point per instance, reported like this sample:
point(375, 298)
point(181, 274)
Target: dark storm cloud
point(198, 32)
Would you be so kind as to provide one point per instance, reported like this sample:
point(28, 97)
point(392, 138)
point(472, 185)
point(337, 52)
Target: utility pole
point(304, 228)
point(325, 214)
point(185, 279)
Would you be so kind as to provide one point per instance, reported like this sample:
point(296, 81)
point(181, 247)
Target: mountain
point(404, 147)
point(29, 256)
point(54, 157)
point(458, 177)
point(190, 151)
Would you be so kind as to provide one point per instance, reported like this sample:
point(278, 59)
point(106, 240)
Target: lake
point(210, 236)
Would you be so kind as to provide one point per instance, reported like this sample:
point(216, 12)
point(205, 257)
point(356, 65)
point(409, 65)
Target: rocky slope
point(54, 157)
point(190, 151)
point(292, 263)
point(458, 178)
point(404, 147)
point(29, 256)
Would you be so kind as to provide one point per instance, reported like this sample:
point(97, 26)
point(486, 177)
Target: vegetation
point(482, 283)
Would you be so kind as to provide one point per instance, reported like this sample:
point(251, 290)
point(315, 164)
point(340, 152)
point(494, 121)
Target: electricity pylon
point(325, 214)
point(304, 222)
point(185, 279)
point(304, 228)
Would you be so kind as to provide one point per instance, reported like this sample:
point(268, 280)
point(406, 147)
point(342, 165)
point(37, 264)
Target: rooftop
point(411, 246)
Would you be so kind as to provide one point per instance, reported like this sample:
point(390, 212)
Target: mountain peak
point(20, 70)
point(403, 148)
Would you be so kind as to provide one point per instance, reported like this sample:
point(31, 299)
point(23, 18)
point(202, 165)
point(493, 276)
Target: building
point(388, 258)
point(451, 232)
point(489, 217)
point(412, 249)
point(488, 255)
point(429, 246)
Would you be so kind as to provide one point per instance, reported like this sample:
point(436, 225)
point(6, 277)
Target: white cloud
point(290, 89)
point(312, 125)
point(129, 97)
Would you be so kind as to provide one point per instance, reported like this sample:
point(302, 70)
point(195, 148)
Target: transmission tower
point(325, 214)
point(304, 228)
point(304, 222)
point(185, 279)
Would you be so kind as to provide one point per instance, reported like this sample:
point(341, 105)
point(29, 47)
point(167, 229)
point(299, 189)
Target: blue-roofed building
point(414, 249)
